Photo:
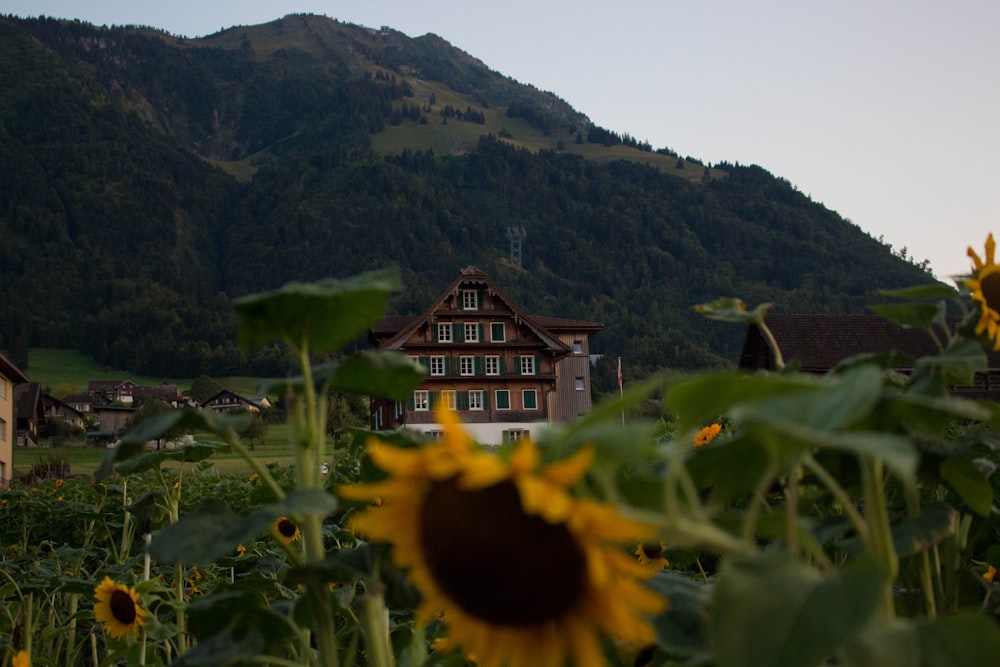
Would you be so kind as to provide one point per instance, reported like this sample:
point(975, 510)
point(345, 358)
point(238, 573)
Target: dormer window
point(470, 299)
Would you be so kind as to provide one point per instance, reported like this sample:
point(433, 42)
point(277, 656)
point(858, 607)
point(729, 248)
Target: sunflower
point(118, 609)
point(651, 554)
point(990, 574)
point(521, 571)
point(707, 435)
point(21, 659)
point(985, 285)
point(286, 530)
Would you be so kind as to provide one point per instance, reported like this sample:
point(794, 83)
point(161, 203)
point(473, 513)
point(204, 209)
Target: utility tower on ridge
point(516, 236)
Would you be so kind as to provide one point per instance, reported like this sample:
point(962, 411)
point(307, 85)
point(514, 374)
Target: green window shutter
point(538, 365)
point(447, 365)
point(478, 365)
point(530, 399)
point(411, 402)
point(482, 332)
point(503, 399)
point(486, 400)
point(434, 396)
point(462, 400)
point(517, 365)
point(434, 332)
point(425, 362)
point(496, 331)
point(502, 366)
point(458, 332)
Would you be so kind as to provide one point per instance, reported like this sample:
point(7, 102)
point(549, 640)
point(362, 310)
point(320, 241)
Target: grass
point(70, 369)
point(274, 447)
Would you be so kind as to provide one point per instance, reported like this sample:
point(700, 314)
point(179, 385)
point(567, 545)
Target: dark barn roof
point(820, 342)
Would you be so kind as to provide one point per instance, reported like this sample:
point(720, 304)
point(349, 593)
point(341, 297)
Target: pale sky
point(885, 111)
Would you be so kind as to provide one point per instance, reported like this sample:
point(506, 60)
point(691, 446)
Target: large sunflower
point(117, 608)
point(522, 571)
point(985, 285)
point(285, 530)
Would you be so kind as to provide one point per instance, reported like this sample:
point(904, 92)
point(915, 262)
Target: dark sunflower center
point(990, 285)
point(496, 562)
point(651, 551)
point(122, 607)
point(287, 528)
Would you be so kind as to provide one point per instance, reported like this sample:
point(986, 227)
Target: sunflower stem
point(877, 517)
point(376, 621)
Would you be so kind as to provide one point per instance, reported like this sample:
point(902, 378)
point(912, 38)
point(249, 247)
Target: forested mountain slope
point(147, 180)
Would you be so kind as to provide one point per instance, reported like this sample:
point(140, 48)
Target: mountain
point(149, 179)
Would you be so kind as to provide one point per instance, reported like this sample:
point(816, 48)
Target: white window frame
point(577, 347)
point(472, 332)
point(467, 365)
point(494, 361)
point(444, 332)
point(435, 435)
point(470, 299)
point(450, 398)
point(527, 365)
point(437, 364)
point(475, 399)
point(421, 400)
point(580, 385)
point(515, 434)
point(503, 332)
point(524, 403)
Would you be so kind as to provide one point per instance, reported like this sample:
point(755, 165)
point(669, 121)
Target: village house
point(28, 412)
point(111, 391)
point(507, 373)
point(817, 343)
point(226, 400)
point(10, 376)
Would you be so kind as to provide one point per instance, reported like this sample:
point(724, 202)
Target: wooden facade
point(507, 373)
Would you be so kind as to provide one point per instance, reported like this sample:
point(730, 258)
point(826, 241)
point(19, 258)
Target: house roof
point(820, 342)
point(26, 403)
point(398, 328)
point(10, 371)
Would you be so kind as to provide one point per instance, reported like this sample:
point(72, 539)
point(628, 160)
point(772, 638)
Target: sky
point(885, 111)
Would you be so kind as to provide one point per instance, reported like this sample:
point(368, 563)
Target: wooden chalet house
point(507, 373)
point(226, 400)
point(10, 375)
point(817, 343)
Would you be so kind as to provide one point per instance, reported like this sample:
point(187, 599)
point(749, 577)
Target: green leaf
point(775, 611)
point(134, 442)
point(929, 291)
point(213, 531)
point(320, 316)
point(703, 398)
point(189, 453)
point(680, 631)
point(731, 309)
point(836, 403)
point(964, 638)
point(935, 523)
point(965, 478)
point(919, 315)
point(390, 375)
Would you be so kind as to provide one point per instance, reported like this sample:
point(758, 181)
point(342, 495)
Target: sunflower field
point(776, 519)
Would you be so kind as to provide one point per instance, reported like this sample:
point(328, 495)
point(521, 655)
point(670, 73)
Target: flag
point(619, 372)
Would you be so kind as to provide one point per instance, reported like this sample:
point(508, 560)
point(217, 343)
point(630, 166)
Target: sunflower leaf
point(320, 316)
point(776, 611)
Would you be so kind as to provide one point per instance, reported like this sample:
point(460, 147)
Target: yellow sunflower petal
point(570, 470)
point(524, 458)
point(397, 461)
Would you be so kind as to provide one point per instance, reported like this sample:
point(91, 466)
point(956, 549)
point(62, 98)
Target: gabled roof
point(10, 371)
point(820, 342)
point(26, 400)
point(400, 328)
